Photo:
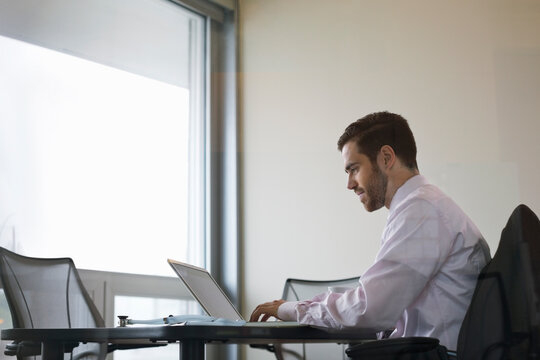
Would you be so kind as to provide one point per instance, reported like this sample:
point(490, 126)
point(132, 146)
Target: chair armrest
point(409, 348)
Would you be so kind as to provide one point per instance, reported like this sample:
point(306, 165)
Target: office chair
point(48, 293)
point(503, 319)
point(296, 290)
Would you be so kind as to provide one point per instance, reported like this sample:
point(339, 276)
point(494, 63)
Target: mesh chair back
point(48, 293)
point(299, 289)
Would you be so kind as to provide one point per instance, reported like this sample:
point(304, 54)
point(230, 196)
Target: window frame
point(221, 214)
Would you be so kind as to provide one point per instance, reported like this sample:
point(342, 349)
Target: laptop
point(211, 297)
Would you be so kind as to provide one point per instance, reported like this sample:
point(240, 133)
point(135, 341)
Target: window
point(103, 155)
point(118, 143)
point(99, 157)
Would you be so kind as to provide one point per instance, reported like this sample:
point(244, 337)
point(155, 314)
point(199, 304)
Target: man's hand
point(266, 310)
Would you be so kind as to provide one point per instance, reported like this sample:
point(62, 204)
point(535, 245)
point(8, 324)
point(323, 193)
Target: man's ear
point(387, 156)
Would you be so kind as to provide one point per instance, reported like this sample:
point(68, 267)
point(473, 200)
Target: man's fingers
point(255, 315)
point(259, 310)
point(265, 310)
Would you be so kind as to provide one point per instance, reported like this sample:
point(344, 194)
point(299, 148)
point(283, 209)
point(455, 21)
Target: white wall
point(466, 74)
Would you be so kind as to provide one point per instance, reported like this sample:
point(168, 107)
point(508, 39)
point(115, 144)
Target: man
point(425, 272)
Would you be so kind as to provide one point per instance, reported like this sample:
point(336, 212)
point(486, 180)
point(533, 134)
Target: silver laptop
point(211, 297)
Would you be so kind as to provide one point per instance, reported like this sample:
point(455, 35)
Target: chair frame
point(290, 281)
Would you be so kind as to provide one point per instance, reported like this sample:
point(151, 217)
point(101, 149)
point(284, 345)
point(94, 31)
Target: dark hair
point(373, 131)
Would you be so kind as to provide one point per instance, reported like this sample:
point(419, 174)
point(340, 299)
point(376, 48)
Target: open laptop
point(211, 297)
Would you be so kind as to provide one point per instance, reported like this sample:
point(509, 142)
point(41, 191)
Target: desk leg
point(191, 350)
point(52, 351)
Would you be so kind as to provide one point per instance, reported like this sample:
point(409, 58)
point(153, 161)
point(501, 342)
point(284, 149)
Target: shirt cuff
point(287, 311)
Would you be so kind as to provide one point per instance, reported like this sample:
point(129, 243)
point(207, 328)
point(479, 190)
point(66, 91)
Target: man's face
point(364, 178)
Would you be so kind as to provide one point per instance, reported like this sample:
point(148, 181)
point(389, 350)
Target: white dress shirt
point(423, 277)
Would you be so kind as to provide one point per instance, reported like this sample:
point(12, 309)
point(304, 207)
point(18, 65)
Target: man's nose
point(351, 183)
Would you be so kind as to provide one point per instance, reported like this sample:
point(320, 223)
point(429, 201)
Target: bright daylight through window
point(97, 160)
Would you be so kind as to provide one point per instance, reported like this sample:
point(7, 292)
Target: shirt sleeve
point(287, 311)
point(414, 247)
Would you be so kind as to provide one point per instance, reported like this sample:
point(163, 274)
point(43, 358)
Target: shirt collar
point(404, 190)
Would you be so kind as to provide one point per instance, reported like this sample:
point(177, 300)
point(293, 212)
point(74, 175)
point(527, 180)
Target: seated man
point(425, 272)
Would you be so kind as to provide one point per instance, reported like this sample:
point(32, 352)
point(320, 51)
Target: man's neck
point(395, 181)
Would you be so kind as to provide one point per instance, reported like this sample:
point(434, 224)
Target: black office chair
point(503, 319)
point(298, 289)
point(48, 293)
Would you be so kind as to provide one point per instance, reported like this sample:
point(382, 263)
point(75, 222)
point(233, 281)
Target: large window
point(115, 148)
point(97, 159)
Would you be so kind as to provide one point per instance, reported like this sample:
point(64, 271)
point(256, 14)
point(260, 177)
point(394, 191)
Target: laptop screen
point(206, 290)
